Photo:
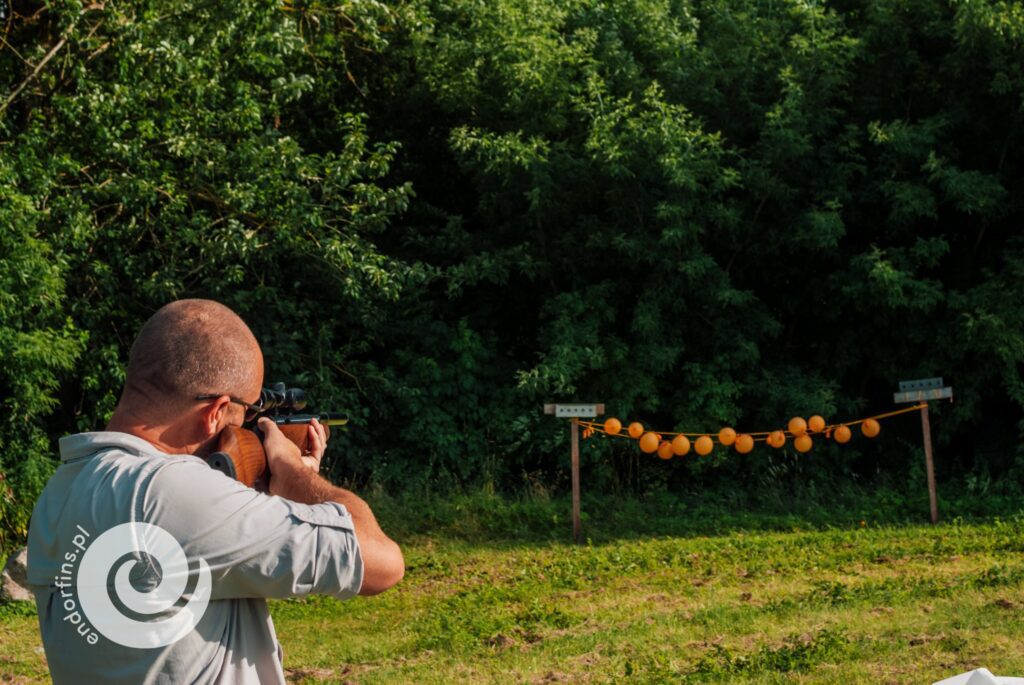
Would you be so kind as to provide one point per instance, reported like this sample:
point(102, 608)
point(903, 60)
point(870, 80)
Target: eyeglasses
point(252, 410)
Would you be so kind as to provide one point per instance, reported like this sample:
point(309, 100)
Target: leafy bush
point(439, 215)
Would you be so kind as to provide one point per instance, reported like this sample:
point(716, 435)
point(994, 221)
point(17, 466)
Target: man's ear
point(212, 415)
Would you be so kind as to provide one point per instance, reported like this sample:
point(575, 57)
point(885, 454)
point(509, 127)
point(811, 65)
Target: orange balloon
point(816, 424)
point(704, 445)
point(636, 429)
point(797, 426)
point(649, 443)
point(870, 428)
point(727, 436)
point(665, 450)
point(612, 426)
point(744, 443)
point(777, 439)
point(842, 434)
point(680, 445)
point(803, 443)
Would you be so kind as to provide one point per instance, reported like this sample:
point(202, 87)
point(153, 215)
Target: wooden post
point(926, 428)
point(577, 530)
point(922, 391)
point(574, 412)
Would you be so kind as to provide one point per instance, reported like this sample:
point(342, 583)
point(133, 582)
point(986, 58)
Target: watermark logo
point(136, 587)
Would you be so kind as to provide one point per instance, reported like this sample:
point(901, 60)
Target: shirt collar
point(87, 444)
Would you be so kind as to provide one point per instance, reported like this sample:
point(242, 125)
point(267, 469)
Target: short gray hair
point(189, 348)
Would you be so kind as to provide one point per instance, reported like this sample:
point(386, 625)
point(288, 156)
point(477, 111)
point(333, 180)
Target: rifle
point(239, 452)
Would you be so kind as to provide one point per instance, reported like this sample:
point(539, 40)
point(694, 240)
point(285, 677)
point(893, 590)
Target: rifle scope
point(280, 399)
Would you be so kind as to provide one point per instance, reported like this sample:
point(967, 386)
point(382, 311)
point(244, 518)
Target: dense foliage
point(439, 214)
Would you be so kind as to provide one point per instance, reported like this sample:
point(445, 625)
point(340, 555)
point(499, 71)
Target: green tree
point(438, 214)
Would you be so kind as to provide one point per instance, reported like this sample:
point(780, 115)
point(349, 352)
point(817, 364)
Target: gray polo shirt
point(154, 568)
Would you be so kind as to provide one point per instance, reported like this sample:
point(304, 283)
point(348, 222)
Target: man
point(147, 565)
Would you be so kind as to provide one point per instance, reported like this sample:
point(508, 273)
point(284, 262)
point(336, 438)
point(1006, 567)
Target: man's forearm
point(300, 484)
point(382, 561)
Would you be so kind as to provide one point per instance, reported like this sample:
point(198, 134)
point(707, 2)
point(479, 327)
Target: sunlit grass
point(892, 604)
point(899, 604)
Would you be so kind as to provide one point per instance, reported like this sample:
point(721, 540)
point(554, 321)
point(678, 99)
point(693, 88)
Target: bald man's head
point(190, 348)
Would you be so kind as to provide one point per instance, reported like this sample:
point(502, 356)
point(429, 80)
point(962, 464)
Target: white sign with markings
point(580, 411)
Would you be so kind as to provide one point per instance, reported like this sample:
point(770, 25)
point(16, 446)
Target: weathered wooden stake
point(924, 390)
point(574, 412)
point(926, 428)
point(577, 529)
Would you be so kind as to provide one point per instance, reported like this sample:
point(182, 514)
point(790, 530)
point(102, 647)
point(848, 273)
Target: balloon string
point(599, 426)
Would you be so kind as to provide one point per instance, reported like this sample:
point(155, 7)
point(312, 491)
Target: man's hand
point(284, 459)
point(280, 450)
point(317, 437)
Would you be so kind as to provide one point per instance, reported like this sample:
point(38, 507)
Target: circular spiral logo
point(136, 587)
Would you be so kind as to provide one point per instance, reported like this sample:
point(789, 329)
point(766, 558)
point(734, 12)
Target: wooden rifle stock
point(240, 453)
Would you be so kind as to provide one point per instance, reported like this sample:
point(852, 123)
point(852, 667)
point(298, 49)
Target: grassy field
point(847, 604)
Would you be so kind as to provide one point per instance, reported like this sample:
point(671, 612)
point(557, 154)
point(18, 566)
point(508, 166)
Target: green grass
point(873, 604)
point(769, 599)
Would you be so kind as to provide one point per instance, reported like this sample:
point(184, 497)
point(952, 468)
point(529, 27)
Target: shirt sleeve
point(256, 545)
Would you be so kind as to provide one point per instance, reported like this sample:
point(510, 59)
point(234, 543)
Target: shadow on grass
point(500, 520)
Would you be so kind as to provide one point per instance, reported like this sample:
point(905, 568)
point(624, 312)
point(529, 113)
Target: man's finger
point(317, 438)
point(268, 427)
point(320, 429)
point(274, 441)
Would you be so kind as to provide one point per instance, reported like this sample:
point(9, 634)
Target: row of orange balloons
point(799, 428)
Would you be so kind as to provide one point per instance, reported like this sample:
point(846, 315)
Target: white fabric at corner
point(981, 676)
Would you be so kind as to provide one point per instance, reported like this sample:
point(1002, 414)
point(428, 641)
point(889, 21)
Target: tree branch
point(50, 55)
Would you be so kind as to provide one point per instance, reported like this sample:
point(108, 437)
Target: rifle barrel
point(327, 419)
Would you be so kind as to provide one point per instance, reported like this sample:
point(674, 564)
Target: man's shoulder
point(85, 445)
point(101, 484)
point(116, 470)
point(116, 463)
